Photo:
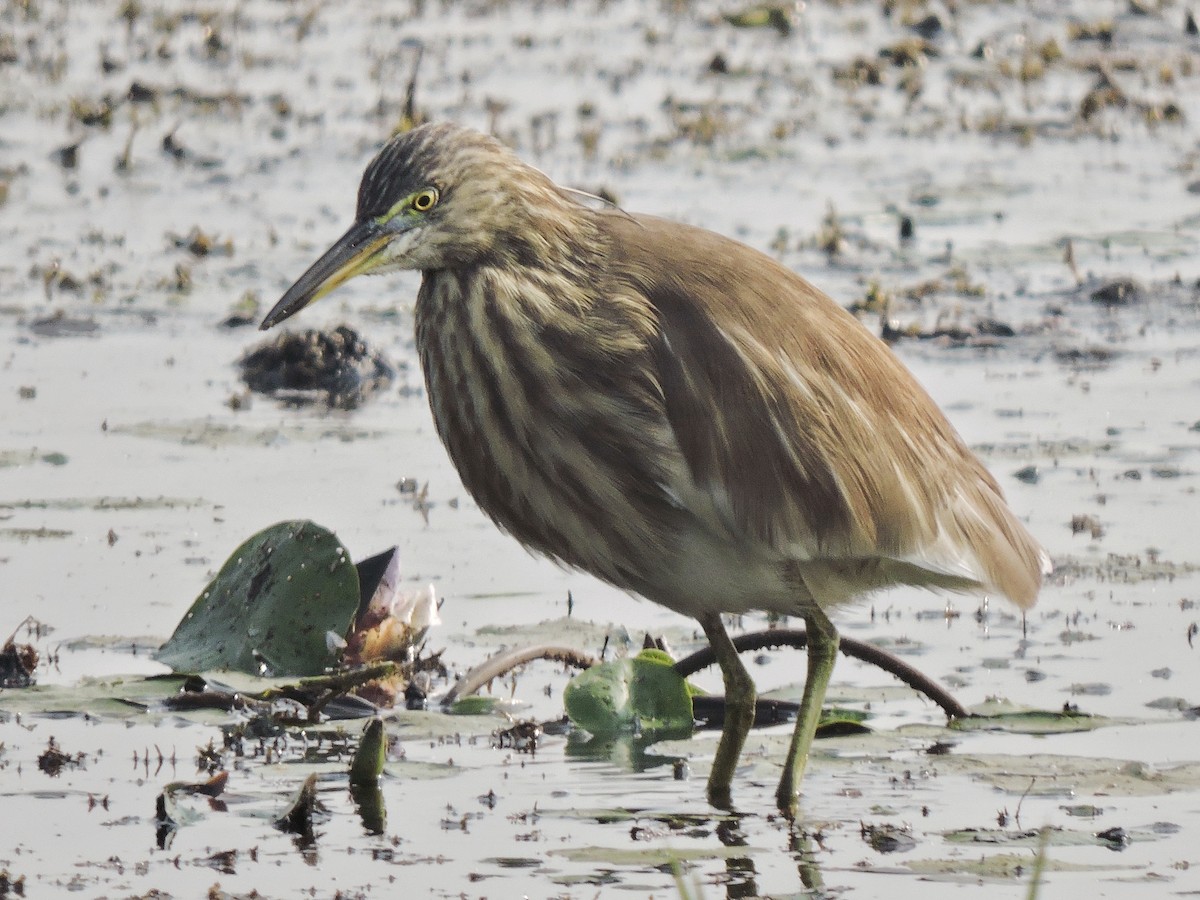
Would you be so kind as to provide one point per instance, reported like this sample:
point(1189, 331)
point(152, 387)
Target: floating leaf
point(630, 694)
point(271, 607)
point(1112, 838)
point(888, 838)
point(837, 721)
point(475, 705)
point(1004, 716)
point(766, 15)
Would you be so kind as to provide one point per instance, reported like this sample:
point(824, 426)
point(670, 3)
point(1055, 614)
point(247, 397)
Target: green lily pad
point(838, 721)
point(111, 697)
point(627, 694)
point(271, 607)
point(651, 856)
point(476, 705)
point(999, 715)
point(1113, 838)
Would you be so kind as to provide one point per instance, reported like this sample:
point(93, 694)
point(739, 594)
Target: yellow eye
point(424, 201)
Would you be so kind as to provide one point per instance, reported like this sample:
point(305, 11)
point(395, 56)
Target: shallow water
point(126, 477)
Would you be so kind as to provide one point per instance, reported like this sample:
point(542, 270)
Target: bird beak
point(356, 252)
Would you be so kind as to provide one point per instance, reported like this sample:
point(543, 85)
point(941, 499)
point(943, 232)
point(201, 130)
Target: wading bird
point(671, 411)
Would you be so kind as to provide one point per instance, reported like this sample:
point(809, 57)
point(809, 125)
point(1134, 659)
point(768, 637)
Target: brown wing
point(804, 429)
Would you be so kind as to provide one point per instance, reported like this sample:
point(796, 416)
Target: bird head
point(437, 197)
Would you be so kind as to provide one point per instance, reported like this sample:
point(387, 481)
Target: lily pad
point(1112, 838)
point(838, 721)
point(630, 694)
point(109, 697)
point(1003, 716)
point(271, 607)
point(476, 705)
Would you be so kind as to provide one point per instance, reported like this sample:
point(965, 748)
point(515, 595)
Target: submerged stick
point(502, 663)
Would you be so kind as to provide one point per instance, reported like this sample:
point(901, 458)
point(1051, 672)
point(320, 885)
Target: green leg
point(740, 698)
point(822, 653)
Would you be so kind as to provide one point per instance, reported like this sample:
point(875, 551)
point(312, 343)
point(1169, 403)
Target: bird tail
point(999, 550)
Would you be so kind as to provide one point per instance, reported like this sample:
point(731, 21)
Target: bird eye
point(424, 201)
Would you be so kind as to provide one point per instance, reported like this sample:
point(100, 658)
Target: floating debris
point(994, 328)
point(929, 27)
point(1089, 524)
point(10, 884)
point(177, 151)
point(245, 312)
point(1028, 474)
point(199, 243)
point(67, 156)
point(767, 15)
point(1119, 292)
point(18, 664)
point(1116, 839)
point(53, 759)
point(142, 93)
point(97, 113)
point(861, 71)
point(1085, 357)
point(887, 838)
point(62, 325)
point(522, 736)
point(913, 51)
point(1101, 30)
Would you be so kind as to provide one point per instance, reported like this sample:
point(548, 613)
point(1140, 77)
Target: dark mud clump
point(18, 664)
point(335, 368)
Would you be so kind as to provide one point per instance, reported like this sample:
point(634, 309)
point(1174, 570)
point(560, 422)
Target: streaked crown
point(485, 204)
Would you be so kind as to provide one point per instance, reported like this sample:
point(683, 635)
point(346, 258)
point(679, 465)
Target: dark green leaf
point(271, 607)
point(475, 705)
point(1004, 716)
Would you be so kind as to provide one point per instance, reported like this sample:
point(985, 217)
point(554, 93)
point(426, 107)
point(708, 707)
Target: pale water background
point(116, 419)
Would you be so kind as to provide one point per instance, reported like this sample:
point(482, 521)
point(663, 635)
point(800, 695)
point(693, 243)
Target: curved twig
point(506, 661)
point(855, 649)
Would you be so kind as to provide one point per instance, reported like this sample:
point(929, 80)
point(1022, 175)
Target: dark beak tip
point(267, 323)
point(278, 313)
